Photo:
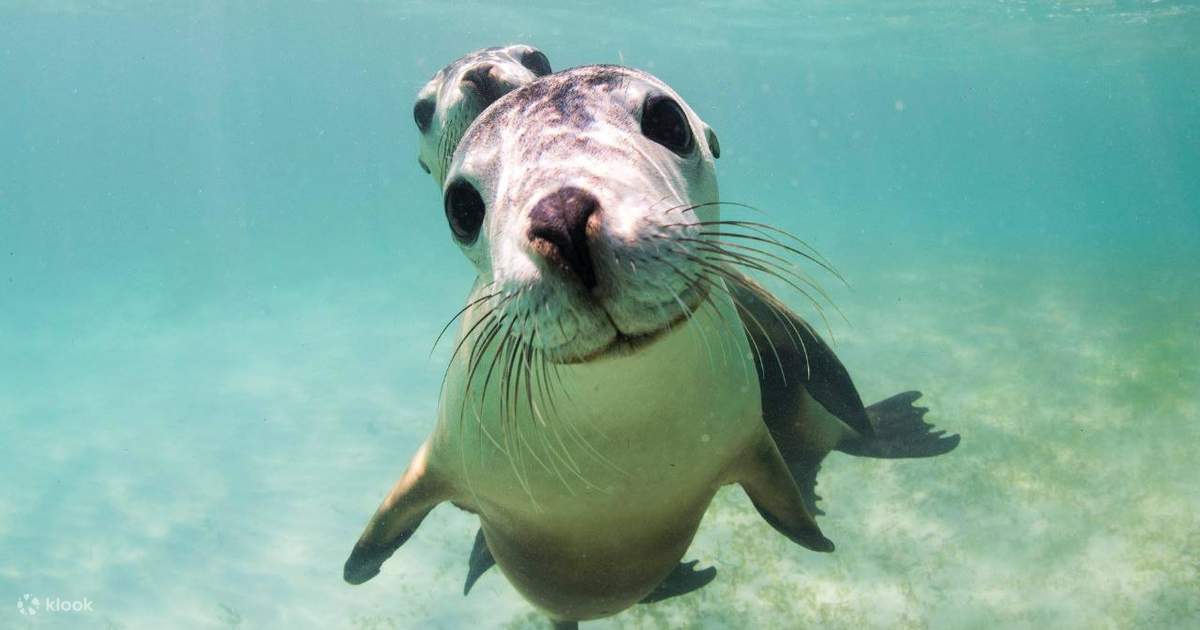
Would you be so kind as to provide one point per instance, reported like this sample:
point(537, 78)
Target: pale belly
point(590, 499)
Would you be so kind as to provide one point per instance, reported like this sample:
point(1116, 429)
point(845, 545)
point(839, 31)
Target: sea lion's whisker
point(508, 423)
point(708, 204)
point(753, 258)
point(545, 390)
point(511, 435)
point(554, 369)
point(743, 261)
point(754, 344)
point(723, 234)
point(764, 230)
point(687, 311)
point(550, 467)
point(511, 402)
point(482, 344)
point(459, 314)
point(486, 317)
point(547, 448)
point(783, 318)
point(689, 281)
point(488, 320)
point(662, 199)
point(718, 253)
point(689, 314)
point(765, 264)
point(473, 361)
point(543, 383)
point(700, 277)
point(511, 379)
point(478, 352)
point(724, 289)
point(565, 457)
point(572, 430)
point(772, 260)
point(790, 264)
point(505, 338)
point(769, 234)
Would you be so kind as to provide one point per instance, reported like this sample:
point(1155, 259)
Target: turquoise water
point(223, 271)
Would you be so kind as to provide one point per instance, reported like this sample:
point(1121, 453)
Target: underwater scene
point(230, 234)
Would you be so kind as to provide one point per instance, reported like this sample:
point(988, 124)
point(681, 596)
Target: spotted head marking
point(456, 95)
point(579, 195)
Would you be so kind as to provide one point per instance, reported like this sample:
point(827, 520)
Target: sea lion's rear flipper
point(900, 432)
point(481, 560)
point(804, 471)
point(793, 361)
point(769, 484)
point(682, 580)
point(410, 500)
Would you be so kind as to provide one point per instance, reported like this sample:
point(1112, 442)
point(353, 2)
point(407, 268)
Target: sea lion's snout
point(491, 81)
point(486, 82)
point(559, 231)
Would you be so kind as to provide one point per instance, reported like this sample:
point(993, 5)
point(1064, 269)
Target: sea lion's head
point(581, 200)
point(456, 95)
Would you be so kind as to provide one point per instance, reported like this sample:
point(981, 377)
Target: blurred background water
point(221, 270)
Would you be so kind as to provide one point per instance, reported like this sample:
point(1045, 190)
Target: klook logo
point(29, 605)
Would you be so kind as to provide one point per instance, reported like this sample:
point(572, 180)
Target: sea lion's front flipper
point(791, 357)
point(481, 560)
point(409, 501)
point(682, 580)
point(764, 476)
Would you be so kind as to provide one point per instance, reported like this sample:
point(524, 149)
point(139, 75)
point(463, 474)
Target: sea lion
point(443, 112)
point(448, 104)
point(608, 376)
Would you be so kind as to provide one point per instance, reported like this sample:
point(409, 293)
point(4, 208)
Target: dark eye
point(423, 114)
point(464, 210)
point(536, 62)
point(664, 122)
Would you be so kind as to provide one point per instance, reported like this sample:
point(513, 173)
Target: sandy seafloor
point(215, 325)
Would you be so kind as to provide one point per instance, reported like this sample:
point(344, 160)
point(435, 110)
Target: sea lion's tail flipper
point(481, 560)
point(682, 580)
point(766, 479)
point(900, 431)
point(409, 501)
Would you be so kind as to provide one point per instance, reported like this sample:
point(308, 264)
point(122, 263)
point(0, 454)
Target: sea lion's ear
point(765, 478)
point(410, 500)
point(713, 144)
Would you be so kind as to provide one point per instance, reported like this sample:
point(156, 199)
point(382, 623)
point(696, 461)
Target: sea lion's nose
point(558, 230)
point(486, 82)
